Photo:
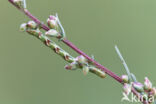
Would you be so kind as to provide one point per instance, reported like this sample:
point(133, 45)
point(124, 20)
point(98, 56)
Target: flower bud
point(18, 3)
point(32, 25)
point(52, 22)
point(138, 86)
point(98, 72)
point(52, 33)
point(127, 88)
point(81, 59)
point(23, 27)
point(147, 84)
point(71, 66)
point(125, 78)
point(85, 70)
point(154, 92)
point(51, 17)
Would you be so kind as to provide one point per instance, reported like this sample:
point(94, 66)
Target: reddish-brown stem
point(71, 45)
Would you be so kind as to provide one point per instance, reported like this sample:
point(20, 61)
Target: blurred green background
point(31, 73)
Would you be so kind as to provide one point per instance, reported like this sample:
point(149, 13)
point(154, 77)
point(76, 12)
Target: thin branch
point(24, 4)
point(61, 27)
point(123, 62)
point(134, 77)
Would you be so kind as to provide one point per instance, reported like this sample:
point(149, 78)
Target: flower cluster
point(32, 28)
point(79, 62)
point(143, 89)
point(56, 28)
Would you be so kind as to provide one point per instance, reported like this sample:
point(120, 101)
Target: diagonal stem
point(71, 45)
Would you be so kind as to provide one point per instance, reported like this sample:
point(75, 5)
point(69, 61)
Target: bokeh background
point(31, 73)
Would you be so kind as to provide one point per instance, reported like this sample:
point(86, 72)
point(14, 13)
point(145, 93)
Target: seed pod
point(147, 84)
point(127, 88)
point(71, 66)
point(32, 25)
point(23, 27)
point(18, 3)
point(125, 78)
point(52, 22)
point(138, 86)
point(85, 70)
point(98, 72)
point(52, 33)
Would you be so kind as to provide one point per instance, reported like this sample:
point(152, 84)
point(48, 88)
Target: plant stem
point(71, 45)
point(123, 62)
